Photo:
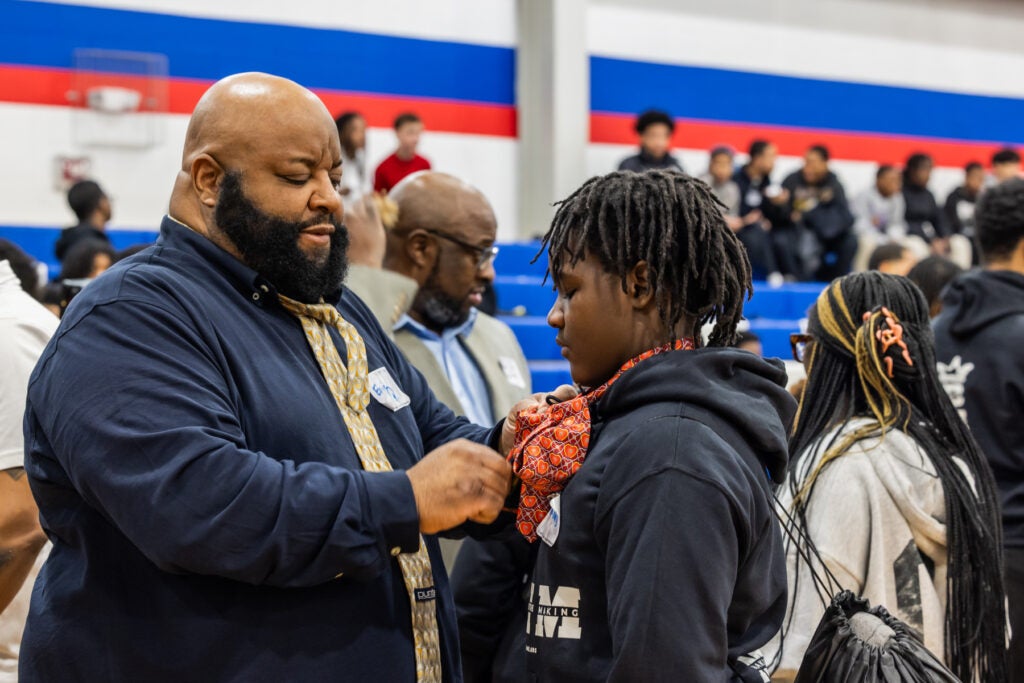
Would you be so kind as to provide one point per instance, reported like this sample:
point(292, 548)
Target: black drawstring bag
point(854, 642)
point(857, 643)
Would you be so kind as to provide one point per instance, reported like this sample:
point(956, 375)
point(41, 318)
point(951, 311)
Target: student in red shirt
point(405, 160)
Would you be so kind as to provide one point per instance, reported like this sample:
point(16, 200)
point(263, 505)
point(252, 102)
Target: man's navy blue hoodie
point(668, 562)
point(981, 363)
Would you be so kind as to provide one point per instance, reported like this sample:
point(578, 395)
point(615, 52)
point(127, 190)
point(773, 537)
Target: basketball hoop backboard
point(117, 94)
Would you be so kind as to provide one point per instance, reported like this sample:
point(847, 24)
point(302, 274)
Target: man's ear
point(638, 286)
point(421, 250)
point(206, 175)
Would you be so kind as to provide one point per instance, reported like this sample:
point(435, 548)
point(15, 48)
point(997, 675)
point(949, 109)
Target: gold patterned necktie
point(350, 387)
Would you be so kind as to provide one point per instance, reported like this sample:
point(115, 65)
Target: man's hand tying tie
point(536, 403)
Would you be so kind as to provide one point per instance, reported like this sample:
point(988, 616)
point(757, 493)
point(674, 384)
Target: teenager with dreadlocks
point(888, 483)
point(648, 495)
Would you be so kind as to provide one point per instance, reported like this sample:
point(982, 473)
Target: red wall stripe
point(890, 149)
point(46, 86)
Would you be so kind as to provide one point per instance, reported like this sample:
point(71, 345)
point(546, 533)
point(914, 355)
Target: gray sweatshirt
point(877, 517)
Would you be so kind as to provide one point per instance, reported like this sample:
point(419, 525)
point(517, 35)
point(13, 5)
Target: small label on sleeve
point(385, 390)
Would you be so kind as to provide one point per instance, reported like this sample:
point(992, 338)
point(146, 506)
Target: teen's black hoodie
point(978, 340)
point(668, 561)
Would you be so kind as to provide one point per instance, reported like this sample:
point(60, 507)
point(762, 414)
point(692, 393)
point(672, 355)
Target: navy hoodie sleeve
point(488, 582)
point(672, 555)
point(149, 437)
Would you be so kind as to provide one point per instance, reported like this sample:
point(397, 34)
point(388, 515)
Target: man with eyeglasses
point(444, 241)
point(443, 244)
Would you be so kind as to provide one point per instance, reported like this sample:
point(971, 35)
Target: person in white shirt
point(355, 180)
point(880, 211)
point(25, 329)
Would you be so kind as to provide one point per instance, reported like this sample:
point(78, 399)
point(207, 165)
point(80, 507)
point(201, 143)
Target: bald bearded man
point(228, 453)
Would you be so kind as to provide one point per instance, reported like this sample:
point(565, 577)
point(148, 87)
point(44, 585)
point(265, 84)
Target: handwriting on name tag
point(385, 390)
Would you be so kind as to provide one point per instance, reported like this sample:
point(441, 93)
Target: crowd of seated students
point(807, 227)
point(804, 227)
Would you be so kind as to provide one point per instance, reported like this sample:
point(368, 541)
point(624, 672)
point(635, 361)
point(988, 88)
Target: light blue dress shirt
point(462, 371)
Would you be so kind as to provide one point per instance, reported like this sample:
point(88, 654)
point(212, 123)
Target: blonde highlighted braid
point(872, 342)
point(873, 357)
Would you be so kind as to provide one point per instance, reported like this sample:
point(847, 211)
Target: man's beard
point(439, 310)
point(270, 245)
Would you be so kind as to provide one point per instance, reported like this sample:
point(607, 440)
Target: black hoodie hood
point(746, 392)
point(980, 298)
point(978, 350)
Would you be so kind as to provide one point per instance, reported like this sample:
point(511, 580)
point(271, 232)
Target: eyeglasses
point(484, 255)
point(799, 344)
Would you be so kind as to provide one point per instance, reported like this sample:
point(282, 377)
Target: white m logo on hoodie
point(953, 377)
point(554, 616)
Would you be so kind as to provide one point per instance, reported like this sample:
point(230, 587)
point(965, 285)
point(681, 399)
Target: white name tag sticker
point(385, 390)
point(512, 373)
point(548, 528)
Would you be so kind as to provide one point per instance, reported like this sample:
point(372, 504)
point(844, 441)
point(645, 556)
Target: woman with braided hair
point(648, 495)
point(888, 483)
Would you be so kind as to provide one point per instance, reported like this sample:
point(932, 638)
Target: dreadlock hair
point(673, 222)
point(874, 358)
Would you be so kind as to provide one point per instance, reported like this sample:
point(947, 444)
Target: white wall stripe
point(485, 22)
point(764, 47)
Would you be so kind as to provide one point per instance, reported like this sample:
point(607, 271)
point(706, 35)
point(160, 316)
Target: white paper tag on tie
point(511, 370)
point(548, 528)
point(386, 391)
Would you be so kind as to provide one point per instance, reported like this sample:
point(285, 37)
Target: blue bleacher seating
point(38, 242)
point(525, 294)
point(535, 336)
point(789, 301)
point(774, 312)
point(514, 259)
point(774, 336)
point(549, 374)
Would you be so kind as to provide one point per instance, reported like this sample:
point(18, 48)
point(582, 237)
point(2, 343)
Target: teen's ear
point(638, 286)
